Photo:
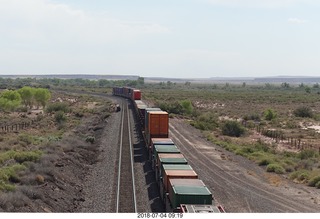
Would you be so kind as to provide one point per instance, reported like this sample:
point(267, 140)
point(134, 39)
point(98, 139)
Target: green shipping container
point(168, 149)
point(189, 195)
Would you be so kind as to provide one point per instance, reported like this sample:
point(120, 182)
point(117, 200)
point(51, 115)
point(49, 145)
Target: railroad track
point(126, 197)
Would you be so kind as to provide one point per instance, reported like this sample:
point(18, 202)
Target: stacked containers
point(140, 108)
point(174, 174)
point(187, 191)
point(159, 141)
point(146, 116)
point(159, 149)
point(170, 164)
point(157, 123)
point(168, 159)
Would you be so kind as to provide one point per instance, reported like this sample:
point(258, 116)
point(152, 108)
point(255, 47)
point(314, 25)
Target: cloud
point(258, 3)
point(296, 21)
point(45, 22)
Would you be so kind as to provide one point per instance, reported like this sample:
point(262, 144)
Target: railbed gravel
point(100, 182)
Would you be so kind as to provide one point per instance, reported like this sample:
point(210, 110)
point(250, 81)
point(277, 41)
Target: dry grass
point(274, 179)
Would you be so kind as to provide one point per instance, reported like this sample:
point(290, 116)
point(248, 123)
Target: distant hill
point(249, 80)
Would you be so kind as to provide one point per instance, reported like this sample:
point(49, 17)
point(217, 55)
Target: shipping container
point(140, 107)
point(160, 141)
point(174, 174)
point(136, 94)
point(167, 149)
point(146, 115)
point(158, 125)
point(188, 191)
point(170, 164)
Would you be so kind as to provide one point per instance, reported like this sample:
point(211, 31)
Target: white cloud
point(296, 21)
point(259, 3)
point(42, 21)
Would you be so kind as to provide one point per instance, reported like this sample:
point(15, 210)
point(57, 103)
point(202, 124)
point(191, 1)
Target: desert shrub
point(254, 116)
point(232, 128)
point(10, 174)
point(314, 181)
point(305, 164)
point(275, 168)
point(25, 138)
point(318, 185)
point(300, 175)
point(303, 111)
point(90, 139)
point(269, 114)
point(55, 107)
point(307, 154)
point(206, 121)
point(265, 161)
point(60, 117)
point(6, 187)
point(22, 156)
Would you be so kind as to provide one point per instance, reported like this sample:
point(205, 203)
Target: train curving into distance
point(180, 188)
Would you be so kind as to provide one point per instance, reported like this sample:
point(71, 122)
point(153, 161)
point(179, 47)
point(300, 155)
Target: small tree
point(26, 94)
point(10, 100)
point(42, 96)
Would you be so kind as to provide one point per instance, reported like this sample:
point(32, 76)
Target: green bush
point(307, 154)
point(22, 156)
point(206, 121)
point(232, 128)
point(9, 174)
point(60, 117)
point(265, 161)
point(269, 114)
point(275, 168)
point(300, 175)
point(314, 181)
point(318, 185)
point(55, 107)
point(303, 111)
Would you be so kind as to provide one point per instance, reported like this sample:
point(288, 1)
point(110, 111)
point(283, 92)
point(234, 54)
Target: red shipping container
point(136, 95)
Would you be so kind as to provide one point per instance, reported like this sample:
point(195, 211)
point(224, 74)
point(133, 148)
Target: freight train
point(180, 188)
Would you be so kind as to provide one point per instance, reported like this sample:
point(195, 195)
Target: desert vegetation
point(275, 126)
point(41, 130)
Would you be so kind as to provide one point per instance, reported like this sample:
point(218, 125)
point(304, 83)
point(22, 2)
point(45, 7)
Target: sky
point(163, 38)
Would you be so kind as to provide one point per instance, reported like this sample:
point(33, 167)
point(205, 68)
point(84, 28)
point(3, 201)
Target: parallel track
point(126, 197)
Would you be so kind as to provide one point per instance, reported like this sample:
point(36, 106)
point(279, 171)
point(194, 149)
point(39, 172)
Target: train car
point(191, 208)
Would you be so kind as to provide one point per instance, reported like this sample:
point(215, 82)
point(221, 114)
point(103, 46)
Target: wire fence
point(15, 127)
